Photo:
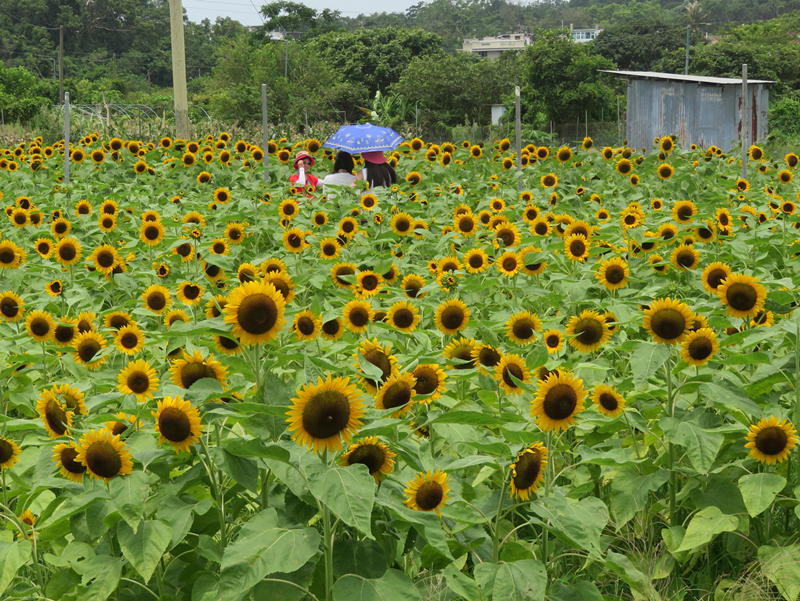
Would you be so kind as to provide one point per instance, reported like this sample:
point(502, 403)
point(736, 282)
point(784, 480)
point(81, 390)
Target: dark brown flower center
point(560, 402)
point(608, 401)
point(359, 317)
point(67, 252)
point(56, 417)
point(397, 395)
point(512, 369)
point(668, 324)
point(88, 349)
point(68, 456)
point(64, 334)
point(553, 341)
point(452, 318)
point(306, 325)
point(403, 318)
point(527, 469)
point(523, 329)
point(326, 414)
point(105, 258)
point(371, 455)
point(331, 328)
point(138, 382)
point(685, 258)
point(429, 496)
point(192, 372)
point(590, 331)
point(701, 349)
point(369, 282)
point(156, 301)
point(741, 296)
point(174, 424)
point(426, 380)
point(257, 314)
point(103, 459)
point(9, 307)
point(577, 248)
point(771, 440)
point(40, 327)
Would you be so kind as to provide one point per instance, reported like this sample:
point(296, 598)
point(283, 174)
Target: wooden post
point(745, 122)
point(179, 69)
point(66, 138)
point(586, 122)
point(265, 125)
point(519, 138)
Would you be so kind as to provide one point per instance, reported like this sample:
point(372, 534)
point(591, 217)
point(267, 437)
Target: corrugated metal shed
point(699, 110)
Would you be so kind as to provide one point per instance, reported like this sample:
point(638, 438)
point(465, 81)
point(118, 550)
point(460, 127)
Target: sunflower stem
point(633, 435)
point(5, 490)
point(548, 481)
point(328, 549)
point(496, 532)
point(266, 476)
point(673, 480)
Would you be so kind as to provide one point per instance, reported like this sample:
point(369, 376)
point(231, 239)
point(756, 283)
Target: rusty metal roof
point(720, 81)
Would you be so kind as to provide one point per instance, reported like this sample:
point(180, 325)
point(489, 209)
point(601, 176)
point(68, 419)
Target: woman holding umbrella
point(370, 141)
point(377, 172)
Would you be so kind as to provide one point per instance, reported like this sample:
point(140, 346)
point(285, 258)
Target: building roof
point(720, 81)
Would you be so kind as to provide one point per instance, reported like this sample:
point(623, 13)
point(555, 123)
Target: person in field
point(303, 162)
point(377, 172)
point(342, 174)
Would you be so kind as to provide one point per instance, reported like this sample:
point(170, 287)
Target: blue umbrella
point(364, 137)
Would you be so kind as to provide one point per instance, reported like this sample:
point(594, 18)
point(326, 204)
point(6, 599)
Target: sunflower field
point(577, 383)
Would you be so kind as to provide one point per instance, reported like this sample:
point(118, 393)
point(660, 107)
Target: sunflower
point(325, 414)
point(288, 208)
point(129, 339)
point(104, 455)
point(685, 257)
point(742, 294)
point(613, 273)
point(404, 316)
point(608, 401)
point(588, 331)
point(11, 306)
point(348, 227)
point(88, 345)
point(306, 325)
point(378, 458)
point(282, 283)
point(549, 181)
point(397, 392)
point(256, 312)
point(190, 293)
point(699, 346)
point(54, 414)
point(294, 240)
point(412, 284)
point(156, 299)
point(344, 269)
point(40, 325)
point(332, 329)
point(44, 247)
point(452, 316)
point(107, 223)
point(522, 326)
point(667, 320)
point(428, 491)
point(176, 315)
point(117, 320)
point(509, 263)
point(191, 368)
point(378, 355)
point(430, 382)
point(684, 211)
point(576, 248)
point(553, 341)
point(460, 352)
point(105, 258)
point(68, 251)
point(508, 366)
point(139, 379)
point(151, 233)
point(527, 471)
point(771, 441)
point(178, 423)
point(559, 399)
point(54, 288)
point(64, 455)
point(402, 224)
point(476, 260)
point(235, 233)
point(624, 167)
point(368, 283)
point(667, 231)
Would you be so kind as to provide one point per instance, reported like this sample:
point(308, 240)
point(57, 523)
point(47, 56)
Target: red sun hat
point(302, 154)
point(376, 157)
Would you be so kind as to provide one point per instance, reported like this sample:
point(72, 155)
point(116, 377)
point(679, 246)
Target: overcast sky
point(246, 12)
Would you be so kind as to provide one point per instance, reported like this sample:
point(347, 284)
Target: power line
point(26, 23)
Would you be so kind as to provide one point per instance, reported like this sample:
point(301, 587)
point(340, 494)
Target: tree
point(375, 58)
point(22, 94)
point(562, 79)
point(297, 19)
point(638, 45)
point(454, 89)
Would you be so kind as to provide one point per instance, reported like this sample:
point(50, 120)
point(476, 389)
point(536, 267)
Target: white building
point(493, 47)
point(584, 35)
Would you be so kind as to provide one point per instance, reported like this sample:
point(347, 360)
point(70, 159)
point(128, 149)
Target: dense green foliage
point(382, 66)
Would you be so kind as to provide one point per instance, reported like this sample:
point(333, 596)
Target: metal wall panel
point(698, 113)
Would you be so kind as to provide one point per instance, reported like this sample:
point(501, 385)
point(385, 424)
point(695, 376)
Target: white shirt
point(338, 180)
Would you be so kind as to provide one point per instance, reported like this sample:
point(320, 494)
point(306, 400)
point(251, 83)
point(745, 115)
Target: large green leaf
point(782, 566)
point(394, 585)
point(523, 580)
point(701, 445)
point(705, 525)
point(363, 557)
point(263, 548)
point(760, 490)
point(145, 546)
point(647, 359)
point(578, 591)
point(105, 584)
point(66, 509)
point(129, 494)
point(578, 523)
point(461, 584)
point(12, 557)
point(349, 492)
point(723, 395)
point(630, 491)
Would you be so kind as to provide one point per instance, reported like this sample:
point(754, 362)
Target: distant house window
point(483, 53)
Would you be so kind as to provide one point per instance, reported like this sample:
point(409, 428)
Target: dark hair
point(380, 175)
point(344, 160)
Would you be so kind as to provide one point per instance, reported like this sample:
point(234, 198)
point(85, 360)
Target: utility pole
point(688, 44)
point(179, 70)
point(265, 126)
point(66, 139)
point(745, 121)
point(61, 64)
point(519, 137)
